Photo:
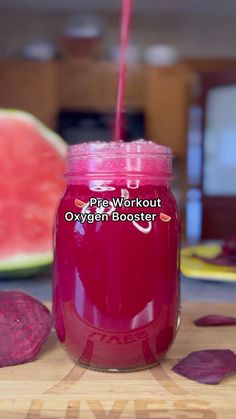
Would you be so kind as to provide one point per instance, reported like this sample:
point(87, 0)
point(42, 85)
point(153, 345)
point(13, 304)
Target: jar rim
point(140, 157)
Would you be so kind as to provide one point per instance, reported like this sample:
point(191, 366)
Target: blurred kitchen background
point(58, 60)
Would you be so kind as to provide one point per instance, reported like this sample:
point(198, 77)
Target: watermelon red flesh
point(31, 182)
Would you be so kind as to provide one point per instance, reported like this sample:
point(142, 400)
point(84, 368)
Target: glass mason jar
point(116, 263)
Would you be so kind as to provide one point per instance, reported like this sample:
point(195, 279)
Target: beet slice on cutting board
point(215, 320)
point(25, 324)
point(207, 367)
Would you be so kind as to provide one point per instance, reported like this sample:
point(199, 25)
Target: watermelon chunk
point(31, 182)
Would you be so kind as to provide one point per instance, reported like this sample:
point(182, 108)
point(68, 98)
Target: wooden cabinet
point(161, 94)
point(45, 88)
point(82, 86)
point(166, 106)
point(30, 86)
point(92, 86)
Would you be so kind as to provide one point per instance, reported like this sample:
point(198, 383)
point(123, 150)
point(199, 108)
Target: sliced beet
point(229, 247)
point(215, 320)
point(220, 260)
point(226, 257)
point(25, 324)
point(207, 367)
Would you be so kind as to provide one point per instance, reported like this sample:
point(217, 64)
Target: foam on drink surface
point(118, 159)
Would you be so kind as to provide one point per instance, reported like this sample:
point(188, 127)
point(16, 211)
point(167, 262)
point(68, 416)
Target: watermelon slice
point(164, 217)
point(31, 183)
point(79, 203)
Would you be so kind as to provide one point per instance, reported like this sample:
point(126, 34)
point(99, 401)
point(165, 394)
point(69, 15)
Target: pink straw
point(125, 26)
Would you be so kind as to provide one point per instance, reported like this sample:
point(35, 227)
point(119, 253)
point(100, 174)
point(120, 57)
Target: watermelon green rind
point(27, 264)
point(23, 261)
point(25, 273)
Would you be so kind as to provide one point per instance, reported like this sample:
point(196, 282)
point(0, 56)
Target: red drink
point(116, 284)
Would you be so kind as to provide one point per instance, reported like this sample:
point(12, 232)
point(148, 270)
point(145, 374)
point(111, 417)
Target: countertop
point(53, 387)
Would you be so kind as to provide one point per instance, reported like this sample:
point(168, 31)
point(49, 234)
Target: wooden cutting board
point(53, 387)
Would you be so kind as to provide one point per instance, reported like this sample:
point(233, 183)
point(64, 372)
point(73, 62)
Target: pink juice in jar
point(116, 282)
